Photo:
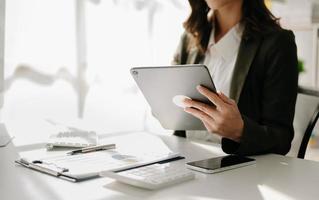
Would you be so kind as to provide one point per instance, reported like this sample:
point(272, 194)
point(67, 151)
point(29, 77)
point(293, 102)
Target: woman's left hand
point(223, 119)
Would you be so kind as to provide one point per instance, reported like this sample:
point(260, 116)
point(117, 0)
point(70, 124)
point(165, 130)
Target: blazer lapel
point(194, 56)
point(246, 54)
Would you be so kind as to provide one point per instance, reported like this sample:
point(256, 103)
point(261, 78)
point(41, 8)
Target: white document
point(130, 153)
point(86, 165)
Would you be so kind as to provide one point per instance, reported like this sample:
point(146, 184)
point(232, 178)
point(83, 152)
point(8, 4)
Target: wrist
point(238, 134)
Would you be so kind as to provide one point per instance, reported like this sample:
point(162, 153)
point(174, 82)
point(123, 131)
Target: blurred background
point(67, 61)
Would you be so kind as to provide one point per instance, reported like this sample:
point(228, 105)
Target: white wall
point(2, 31)
point(298, 16)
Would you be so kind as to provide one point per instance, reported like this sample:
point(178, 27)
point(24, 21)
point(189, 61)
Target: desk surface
point(273, 177)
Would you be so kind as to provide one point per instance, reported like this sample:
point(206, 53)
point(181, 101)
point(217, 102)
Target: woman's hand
point(223, 119)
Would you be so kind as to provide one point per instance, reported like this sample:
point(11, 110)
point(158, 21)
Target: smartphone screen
point(220, 162)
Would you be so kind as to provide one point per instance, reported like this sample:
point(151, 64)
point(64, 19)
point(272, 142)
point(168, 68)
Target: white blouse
point(220, 58)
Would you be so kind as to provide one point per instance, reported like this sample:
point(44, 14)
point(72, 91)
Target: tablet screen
point(220, 162)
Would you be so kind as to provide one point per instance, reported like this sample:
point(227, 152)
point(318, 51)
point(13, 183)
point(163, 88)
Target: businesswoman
point(253, 63)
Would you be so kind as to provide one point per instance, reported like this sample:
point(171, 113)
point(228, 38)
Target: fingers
point(225, 98)
point(199, 114)
point(208, 126)
point(224, 119)
point(206, 120)
point(209, 110)
point(213, 97)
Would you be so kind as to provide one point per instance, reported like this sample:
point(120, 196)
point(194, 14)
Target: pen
point(93, 148)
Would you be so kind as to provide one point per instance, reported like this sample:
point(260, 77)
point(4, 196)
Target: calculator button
point(153, 176)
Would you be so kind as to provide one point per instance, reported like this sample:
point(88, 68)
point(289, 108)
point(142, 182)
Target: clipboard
point(54, 172)
point(86, 166)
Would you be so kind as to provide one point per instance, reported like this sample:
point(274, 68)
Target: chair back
point(306, 116)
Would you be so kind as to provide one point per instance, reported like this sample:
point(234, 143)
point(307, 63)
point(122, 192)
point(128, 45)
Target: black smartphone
point(218, 164)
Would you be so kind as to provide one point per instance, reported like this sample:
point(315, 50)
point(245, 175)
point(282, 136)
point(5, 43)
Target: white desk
point(273, 177)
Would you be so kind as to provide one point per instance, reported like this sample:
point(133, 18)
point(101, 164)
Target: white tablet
point(165, 87)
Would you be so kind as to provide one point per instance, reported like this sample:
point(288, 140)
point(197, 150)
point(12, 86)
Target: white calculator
point(153, 176)
point(78, 139)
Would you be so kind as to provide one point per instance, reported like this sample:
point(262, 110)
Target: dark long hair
point(256, 16)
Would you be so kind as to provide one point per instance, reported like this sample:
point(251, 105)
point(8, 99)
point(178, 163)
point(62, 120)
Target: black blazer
point(264, 85)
